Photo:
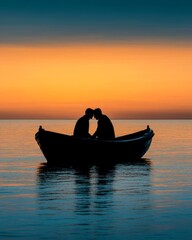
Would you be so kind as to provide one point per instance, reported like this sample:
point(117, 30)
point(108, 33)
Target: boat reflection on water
point(88, 189)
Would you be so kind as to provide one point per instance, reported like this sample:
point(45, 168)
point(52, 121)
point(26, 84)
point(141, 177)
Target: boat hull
point(69, 150)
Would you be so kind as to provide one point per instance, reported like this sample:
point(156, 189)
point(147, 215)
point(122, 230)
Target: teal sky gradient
point(45, 21)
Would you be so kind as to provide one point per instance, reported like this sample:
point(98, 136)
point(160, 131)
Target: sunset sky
point(131, 58)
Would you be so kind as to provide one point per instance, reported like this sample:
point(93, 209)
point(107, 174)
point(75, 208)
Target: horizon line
point(168, 118)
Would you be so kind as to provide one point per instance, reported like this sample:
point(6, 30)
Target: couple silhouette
point(105, 129)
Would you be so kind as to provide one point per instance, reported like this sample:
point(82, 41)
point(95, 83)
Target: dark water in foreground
point(151, 199)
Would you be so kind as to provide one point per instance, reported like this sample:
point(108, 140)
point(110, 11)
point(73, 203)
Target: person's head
point(97, 113)
point(89, 113)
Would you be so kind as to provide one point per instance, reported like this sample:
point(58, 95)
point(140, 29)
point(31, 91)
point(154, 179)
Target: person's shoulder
point(105, 116)
point(83, 117)
point(80, 119)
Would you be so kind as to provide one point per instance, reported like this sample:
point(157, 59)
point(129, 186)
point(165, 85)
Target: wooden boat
point(69, 150)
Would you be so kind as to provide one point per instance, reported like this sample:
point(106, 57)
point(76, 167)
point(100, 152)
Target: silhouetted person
point(105, 129)
point(82, 125)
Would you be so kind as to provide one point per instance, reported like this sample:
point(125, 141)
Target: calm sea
point(152, 200)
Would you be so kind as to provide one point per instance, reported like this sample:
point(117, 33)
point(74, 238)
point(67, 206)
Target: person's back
point(105, 129)
point(82, 125)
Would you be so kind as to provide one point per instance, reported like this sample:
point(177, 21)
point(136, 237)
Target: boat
point(65, 149)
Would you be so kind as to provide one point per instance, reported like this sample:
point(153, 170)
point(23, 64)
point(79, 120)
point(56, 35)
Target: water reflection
point(85, 190)
point(94, 189)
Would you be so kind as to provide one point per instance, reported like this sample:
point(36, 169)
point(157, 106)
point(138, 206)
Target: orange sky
point(126, 81)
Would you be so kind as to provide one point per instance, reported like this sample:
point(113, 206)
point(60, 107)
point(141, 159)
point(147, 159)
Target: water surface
point(151, 199)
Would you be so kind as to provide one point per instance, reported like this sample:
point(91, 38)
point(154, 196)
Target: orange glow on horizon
point(127, 80)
